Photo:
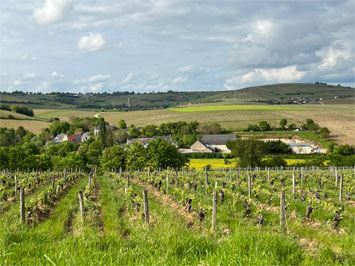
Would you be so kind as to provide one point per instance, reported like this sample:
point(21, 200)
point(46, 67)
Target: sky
point(181, 45)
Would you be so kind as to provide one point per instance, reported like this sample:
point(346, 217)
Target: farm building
point(211, 143)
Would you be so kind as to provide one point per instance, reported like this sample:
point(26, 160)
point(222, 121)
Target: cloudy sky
point(160, 45)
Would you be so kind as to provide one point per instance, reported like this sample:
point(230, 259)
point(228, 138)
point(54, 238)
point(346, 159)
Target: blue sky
point(161, 45)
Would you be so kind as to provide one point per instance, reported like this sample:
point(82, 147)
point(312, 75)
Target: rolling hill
point(142, 101)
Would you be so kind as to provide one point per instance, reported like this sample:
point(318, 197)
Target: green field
point(114, 230)
point(235, 107)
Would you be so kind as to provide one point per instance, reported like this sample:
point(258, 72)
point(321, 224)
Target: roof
point(96, 128)
point(299, 144)
point(217, 139)
point(60, 136)
point(141, 140)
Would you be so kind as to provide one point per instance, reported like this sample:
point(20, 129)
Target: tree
point(276, 161)
point(113, 158)
point(311, 125)
point(264, 126)
point(324, 132)
point(102, 132)
point(163, 154)
point(283, 123)
point(122, 124)
point(94, 152)
point(137, 156)
point(249, 151)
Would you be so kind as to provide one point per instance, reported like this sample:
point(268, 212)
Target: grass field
point(235, 107)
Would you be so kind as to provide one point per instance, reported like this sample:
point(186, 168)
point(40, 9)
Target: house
point(96, 130)
point(60, 138)
point(85, 137)
point(301, 148)
point(211, 143)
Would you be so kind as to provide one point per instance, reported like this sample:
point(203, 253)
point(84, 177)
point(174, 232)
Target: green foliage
point(249, 151)
point(264, 126)
point(21, 109)
point(163, 154)
point(58, 127)
point(276, 161)
point(102, 131)
point(137, 156)
point(122, 124)
point(344, 150)
point(94, 152)
point(324, 132)
point(113, 158)
point(283, 123)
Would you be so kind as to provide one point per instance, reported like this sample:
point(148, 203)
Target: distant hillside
point(140, 101)
point(288, 90)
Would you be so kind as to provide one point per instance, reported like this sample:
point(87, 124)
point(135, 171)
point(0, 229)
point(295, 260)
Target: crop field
point(64, 115)
point(235, 107)
point(200, 164)
point(338, 118)
point(229, 216)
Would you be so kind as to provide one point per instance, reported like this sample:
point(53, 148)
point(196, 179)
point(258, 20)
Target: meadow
point(178, 223)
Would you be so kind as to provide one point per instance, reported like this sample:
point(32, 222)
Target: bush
point(21, 109)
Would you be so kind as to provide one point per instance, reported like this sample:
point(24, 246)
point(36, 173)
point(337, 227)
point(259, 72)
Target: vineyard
point(230, 216)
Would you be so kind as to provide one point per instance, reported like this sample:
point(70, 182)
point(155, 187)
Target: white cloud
point(178, 80)
point(51, 11)
point(93, 79)
point(262, 75)
point(91, 42)
point(29, 76)
point(57, 75)
point(129, 77)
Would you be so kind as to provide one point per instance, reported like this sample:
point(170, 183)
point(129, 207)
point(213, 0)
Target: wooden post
point(65, 175)
point(146, 208)
point(238, 173)
point(167, 184)
point(148, 171)
point(282, 210)
point(294, 185)
point(53, 182)
point(206, 182)
point(89, 182)
point(341, 188)
point(249, 186)
point(15, 184)
point(37, 181)
point(336, 176)
point(268, 175)
point(120, 172)
point(81, 205)
point(22, 205)
point(301, 177)
point(127, 181)
point(214, 210)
